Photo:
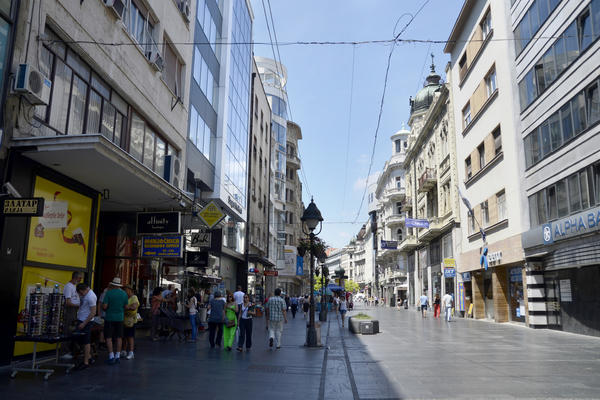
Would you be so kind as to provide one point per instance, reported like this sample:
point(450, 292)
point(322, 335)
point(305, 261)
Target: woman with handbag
point(246, 314)
point(230, 322)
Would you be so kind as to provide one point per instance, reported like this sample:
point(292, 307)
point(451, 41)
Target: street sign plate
point(211, 214)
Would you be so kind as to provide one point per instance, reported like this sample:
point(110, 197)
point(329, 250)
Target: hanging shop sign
point(466, 276)
point(200, 239)
point(23, 207)
point(299, 266)
point(449, 273)
point(164, 223)
point(461, 296)
point(197, 259)
point(271, 273)
point(211, 214)
point(389, 244)
point(496, 256)
point(162, 246)
point(449, 263)
point(416, 223)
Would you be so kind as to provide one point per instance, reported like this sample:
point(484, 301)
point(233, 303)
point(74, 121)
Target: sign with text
point(466, 276)
point(162, 246)
point(200, 239)
point(211, 214)
point(299, 265)
point(449, 272)
point(164, 223)
point(197, 259)
point(270, 273)
point(461, 296)
point(578, 224)
point(449, 263)
point(416, 223)
point(23, 207)
point(389, 244)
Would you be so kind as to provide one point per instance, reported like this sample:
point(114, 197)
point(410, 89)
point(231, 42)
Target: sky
point(335, 91)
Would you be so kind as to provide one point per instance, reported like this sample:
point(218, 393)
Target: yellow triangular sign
point(211, 214)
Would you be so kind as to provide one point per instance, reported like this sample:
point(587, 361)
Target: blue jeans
point(194, 327)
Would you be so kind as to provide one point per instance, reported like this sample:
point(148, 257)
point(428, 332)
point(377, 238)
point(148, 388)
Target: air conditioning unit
point(155, 59)
point(184, 7)
point(33, 85)
point(172, 172)
point(116, 6)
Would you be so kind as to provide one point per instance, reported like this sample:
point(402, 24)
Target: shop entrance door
point(553, 301)
point(517, 302)
point(488, 294)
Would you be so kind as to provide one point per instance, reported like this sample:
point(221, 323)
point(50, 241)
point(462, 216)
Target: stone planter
point(354, 325)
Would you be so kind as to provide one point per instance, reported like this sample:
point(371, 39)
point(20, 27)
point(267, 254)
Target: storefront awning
point(257, 258)
point(106, 168)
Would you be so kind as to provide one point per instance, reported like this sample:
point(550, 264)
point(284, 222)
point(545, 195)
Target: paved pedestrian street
point(411, 358)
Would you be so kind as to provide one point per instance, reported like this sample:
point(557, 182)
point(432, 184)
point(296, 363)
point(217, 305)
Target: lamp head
point(312, 216)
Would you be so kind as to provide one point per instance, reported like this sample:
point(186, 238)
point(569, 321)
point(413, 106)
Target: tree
point(351, 286)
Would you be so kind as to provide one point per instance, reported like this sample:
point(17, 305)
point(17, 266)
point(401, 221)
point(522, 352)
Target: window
point(468, 167)
point(533, 152)
point(562, 198)
point(204, 78)
point(486, 25)
point(398, 182)
point(466, 112)
point(536, 16)
point(399, 234)
point(501, 202)
point(490, 82)
point(497, 141)
point(462, 64)
point(173, 70)
point(253, 189)
point(555, 134)
point(574, 193)
point(566, 121)
point(398, 144)
point(485, 213)
point(593, 103)
point(584, 27)
point(481, 151)
point(398, 207)
point(545, 133)
point(551, 201)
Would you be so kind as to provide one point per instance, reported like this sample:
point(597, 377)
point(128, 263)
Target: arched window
point(399, 234)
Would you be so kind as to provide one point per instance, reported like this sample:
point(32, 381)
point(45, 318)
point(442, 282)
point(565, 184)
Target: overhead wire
point(385, 83)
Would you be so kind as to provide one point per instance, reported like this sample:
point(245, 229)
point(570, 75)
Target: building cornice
point(459, 25)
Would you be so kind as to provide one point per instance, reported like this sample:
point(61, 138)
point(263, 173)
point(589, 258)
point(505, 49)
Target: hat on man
point(116, 282)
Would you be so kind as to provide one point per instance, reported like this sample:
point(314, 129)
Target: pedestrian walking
point(239, 297)
point(155, 303)
point(276, 316)
point(343, 308)
point(231, 323)
point(424, 300)
point(192, 306)
point(216, 320)
point(71, 307)
point(287, 302)
point(85, 315)
point(129, 321)
point(246, 314)
point(294, 306)
point(114, 304)
point(436, 306)
point(306, 306)
point(448, 300)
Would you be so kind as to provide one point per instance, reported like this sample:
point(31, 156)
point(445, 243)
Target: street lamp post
point(311, 218)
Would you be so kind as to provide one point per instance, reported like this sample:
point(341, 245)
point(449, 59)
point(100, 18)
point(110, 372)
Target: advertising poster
point(162, 246)
point(290, 253)
point(61, 236)
point(47, 278)
point(461, 296)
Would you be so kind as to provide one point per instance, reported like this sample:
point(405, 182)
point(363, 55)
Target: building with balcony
point(259, 198)
point(103, 136)
point(558, 80)
point(431, 186)
point(490, 157)
point(391, 198)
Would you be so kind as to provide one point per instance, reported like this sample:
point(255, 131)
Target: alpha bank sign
point(578, 224)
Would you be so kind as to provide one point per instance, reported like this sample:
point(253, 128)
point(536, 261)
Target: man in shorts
point(85, 315)
point(114, 304)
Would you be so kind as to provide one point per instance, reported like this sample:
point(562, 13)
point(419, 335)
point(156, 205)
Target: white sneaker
point(130, 356)
point(123, 353)
point(67, 356)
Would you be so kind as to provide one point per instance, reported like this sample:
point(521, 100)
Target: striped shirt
point(276, 307)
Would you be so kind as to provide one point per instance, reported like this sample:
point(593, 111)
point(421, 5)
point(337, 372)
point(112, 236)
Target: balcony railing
point(427, 180)
point(396, 192)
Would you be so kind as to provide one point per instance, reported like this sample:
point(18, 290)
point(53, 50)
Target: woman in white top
point(343, 308)
point(246, 314)
point(192, 305)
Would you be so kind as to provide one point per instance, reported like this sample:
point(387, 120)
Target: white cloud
point(359, 184)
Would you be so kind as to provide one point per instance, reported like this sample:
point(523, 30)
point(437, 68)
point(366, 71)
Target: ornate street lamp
point(311, 218)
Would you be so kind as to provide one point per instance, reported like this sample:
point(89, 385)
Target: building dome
point(424, 97)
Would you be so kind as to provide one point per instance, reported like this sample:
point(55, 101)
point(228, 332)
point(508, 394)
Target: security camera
point(11, 190)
